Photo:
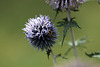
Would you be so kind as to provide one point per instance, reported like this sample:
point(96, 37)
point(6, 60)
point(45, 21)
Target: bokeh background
point(15, 50)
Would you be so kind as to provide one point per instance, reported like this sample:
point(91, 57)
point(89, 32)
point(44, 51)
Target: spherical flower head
point(63, 4)
point(41, 32)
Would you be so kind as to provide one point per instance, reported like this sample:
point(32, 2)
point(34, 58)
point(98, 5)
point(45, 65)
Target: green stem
point(72, 33)
point(73, 42)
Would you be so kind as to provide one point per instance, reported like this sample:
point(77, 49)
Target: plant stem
point(73, 42)
point(72, 33)
point(54, 58)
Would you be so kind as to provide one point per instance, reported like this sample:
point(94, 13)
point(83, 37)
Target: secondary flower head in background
point(63, 4)
point(41, 32)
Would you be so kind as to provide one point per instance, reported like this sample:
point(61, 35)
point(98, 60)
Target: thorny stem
point(72, 33)
point(54, 58)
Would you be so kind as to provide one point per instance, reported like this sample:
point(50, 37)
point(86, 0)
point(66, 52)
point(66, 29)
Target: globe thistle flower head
point(63, 4)
point(41, 32)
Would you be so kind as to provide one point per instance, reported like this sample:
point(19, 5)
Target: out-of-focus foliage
point(59, 55)
point(93, 55)
point(78, 43)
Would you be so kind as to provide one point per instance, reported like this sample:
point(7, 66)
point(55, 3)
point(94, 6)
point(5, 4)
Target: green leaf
point(66, 28)
point(82, 41)
point(59, 55)
point(62, 23)
point(74, 24)
point(79, 42)
point(67, 25)
point(91, 55)
point(69, 49)
point(83, 38)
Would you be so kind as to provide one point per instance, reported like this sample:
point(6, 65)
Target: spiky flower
point(63, 4)
point(41, 32)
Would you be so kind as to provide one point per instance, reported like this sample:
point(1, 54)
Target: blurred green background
point(15, 50)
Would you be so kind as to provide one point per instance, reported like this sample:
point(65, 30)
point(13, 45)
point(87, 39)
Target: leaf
point(59, 55)
point(84, 38)
point(74, 24)
point(91, 55)
point(66, 27)
point(64, 57)
point(79, 42)
point(69, 49)
point(82, 41)
point(48, 52)
point(62, 23)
